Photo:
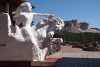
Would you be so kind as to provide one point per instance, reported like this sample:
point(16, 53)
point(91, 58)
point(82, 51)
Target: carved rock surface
point(84, 26)
point(72, 26)
point(76, 27)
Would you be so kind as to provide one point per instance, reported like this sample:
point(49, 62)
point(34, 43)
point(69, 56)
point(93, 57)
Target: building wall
point(3, 29)
point(11, 9)
point(2, 9)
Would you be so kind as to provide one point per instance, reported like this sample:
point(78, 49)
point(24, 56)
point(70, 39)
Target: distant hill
point(77, 27)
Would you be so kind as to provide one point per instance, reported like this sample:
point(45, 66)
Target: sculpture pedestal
point(3, 29)
point(10, 48)
point(49, 62)
point(28, 43)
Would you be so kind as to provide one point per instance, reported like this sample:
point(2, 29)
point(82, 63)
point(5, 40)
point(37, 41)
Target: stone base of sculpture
point(19, 51)
point(29, 43)
point(12, 49)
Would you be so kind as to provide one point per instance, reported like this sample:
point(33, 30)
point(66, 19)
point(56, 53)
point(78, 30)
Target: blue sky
point(82, 10)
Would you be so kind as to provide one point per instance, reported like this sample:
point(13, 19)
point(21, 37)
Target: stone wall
point(3, 29)
point(10, 48)
point(2, 9)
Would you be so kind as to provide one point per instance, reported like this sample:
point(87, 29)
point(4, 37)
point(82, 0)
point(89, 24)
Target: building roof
point(13, 3)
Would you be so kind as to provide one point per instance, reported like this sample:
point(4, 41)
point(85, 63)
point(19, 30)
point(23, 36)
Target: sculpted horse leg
point(11, 28)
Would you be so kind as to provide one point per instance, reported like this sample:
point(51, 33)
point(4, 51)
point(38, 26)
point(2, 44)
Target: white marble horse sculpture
point(40, 35)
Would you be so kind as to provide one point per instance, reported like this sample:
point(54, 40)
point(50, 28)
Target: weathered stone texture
point(72, 26)
point(3, 28)
point(10, 48)
point(76, 27)
point(84, 26)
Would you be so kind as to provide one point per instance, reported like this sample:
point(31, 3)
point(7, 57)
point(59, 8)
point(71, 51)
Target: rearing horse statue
point(39, 35)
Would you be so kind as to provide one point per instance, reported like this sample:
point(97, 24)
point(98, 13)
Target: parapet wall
point(3, 29)
point(10, 48)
